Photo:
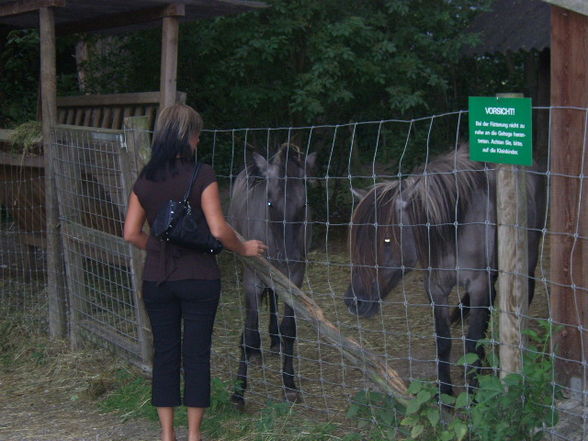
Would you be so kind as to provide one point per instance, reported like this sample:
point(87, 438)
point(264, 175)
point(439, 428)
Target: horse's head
point(284, 177)
point(382, 247)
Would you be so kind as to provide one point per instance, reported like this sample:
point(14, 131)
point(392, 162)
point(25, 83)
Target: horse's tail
point(461, 312)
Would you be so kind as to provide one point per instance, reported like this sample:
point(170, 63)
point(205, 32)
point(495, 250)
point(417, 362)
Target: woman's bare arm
point(219, 227)
point(134, 222)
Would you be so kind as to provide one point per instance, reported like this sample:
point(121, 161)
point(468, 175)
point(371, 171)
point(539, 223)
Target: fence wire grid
point(94, 170)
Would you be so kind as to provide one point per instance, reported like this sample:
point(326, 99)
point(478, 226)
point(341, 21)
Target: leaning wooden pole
point(384, 377)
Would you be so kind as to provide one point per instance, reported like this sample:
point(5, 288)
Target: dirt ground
point(51, 416)
point(48, 401)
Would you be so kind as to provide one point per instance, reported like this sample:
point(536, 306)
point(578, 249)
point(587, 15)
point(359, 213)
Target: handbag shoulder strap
point(192, 179)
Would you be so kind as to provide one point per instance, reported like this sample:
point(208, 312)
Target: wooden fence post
point(511, 220)
point(138, 143)
point(55, 268)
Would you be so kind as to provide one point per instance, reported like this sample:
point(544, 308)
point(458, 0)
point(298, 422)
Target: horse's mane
point(438, 195)
point(433, 197)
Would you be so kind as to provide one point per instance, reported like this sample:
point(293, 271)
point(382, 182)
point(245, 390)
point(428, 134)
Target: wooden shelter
point(58, 17)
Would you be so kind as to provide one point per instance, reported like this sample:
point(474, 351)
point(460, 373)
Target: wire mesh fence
point(22, 259)
point(382, 286)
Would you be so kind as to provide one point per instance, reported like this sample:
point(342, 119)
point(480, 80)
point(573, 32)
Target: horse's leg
point(288, 334)
point(273, 321)
point(531, 286)
point(439, 295)
point(250, 346)
point(482, 295)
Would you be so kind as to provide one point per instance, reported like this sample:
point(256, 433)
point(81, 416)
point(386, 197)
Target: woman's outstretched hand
point(253, 248)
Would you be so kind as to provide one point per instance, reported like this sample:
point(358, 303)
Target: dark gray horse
point(268, 203)
point(442, 217)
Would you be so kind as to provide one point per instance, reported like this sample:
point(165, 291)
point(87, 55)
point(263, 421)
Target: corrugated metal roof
point(513, 25)
point(579, 6)
point(123, 14)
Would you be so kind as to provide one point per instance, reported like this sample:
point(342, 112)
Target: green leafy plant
point(377, 416)
point(427, 418)
point(518, 407)
point(521, 405)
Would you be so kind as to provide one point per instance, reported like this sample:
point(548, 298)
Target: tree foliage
point(297, 62)
point(303, 61)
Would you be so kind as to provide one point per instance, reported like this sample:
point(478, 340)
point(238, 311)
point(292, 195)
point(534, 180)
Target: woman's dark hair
point(174, 128)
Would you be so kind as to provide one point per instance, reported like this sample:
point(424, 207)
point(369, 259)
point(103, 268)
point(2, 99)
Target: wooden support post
point(55, 278)
point(169, 55)
point(569, 210)
point(132, 161)
point(513, 296)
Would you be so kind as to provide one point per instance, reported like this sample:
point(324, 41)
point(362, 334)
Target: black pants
point(193, 302)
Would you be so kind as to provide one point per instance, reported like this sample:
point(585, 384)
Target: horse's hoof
point(292, 396)
point(238, 401)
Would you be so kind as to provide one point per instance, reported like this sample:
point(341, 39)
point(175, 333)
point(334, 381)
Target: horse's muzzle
point(360, 306)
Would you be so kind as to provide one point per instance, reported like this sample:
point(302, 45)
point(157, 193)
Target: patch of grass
point(131, 397)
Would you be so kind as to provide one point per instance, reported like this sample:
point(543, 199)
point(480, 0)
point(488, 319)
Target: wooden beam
point(24, 6)
point(568, 212)
point(169, 61)
point(122, 19)
point(20, 160)
point(246, 3)
point(55, 280)
point(115, 99)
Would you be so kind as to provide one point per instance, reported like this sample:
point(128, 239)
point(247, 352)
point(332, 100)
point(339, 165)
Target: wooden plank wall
point(569, 192)
point(109, 111)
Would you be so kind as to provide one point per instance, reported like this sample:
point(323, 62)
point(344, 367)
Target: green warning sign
point(501, 130)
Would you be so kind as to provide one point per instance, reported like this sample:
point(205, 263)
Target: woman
point(180, 284)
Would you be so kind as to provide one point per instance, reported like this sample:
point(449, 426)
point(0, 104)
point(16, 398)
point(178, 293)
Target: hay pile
point(49, 392)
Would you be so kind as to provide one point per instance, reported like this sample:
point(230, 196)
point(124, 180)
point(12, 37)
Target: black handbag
point(176, 224)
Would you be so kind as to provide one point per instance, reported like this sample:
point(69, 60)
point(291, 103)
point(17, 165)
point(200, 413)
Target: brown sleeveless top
point(166, 261)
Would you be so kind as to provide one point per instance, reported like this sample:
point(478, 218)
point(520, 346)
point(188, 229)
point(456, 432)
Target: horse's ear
point(358, 193)
point(259, 162)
